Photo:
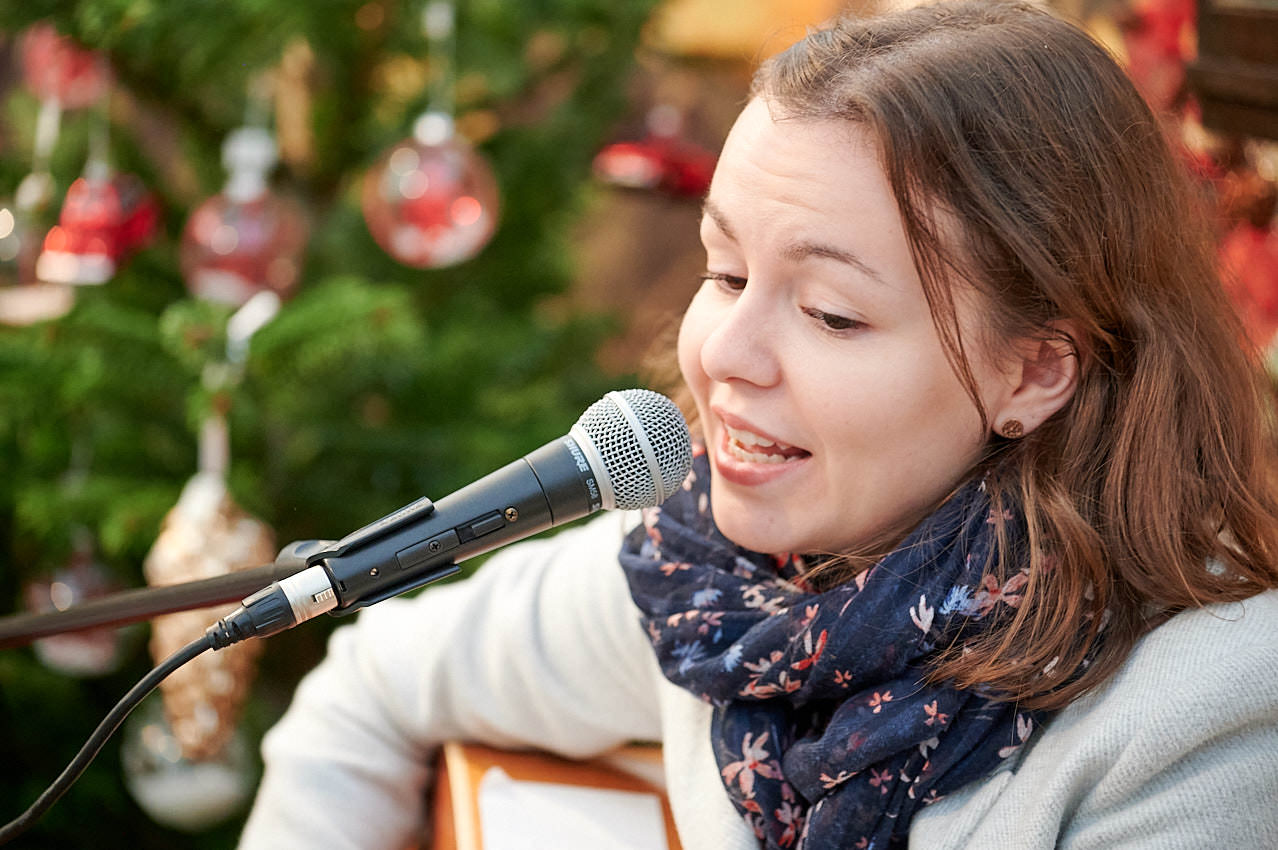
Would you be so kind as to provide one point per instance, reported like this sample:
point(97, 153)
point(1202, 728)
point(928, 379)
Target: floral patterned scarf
point(825, 734)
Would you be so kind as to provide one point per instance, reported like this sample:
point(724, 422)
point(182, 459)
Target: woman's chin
point(752, 532)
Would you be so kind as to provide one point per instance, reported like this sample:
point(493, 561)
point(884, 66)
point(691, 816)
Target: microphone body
point(412, 546)
point(628, 450)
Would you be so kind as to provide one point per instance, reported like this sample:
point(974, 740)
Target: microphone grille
point(642, 440)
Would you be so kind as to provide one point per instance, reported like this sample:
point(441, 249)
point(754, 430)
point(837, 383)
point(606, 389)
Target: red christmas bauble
point(88, 652)
point(657, 163)
point(56, 68)
point(103, 220)
point(431, 201)
point(246, 239)
point(662, 161)
point(231, 250)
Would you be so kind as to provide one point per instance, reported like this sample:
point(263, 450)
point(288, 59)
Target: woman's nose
point(741, 343)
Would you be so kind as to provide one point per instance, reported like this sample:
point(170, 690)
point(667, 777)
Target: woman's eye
point(832, 321)
point(726, 281)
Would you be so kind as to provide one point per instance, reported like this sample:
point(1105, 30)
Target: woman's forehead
point(828, 167)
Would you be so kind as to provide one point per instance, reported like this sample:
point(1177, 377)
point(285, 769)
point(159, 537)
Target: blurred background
point(270, 270)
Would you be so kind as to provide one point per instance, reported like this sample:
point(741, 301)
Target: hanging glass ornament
point(188, 766)
point(106, 218)
point(431, 201)
point(88, 652)
point(205, 535)
point(246, 239)
point(23, 299)
point(63, 76)
point(57, 69)
point(662, 161)
point(175, 790)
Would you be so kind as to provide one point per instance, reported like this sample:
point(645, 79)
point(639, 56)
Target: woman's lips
point(749, 457)
point(750, 447)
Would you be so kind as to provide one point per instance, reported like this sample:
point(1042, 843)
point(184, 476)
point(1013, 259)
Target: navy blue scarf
point(825, 733)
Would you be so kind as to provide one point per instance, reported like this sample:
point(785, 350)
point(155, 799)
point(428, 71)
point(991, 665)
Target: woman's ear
point(1048, 374)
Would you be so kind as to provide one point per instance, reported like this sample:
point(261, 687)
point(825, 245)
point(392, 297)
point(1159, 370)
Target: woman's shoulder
point(1225, 649)
point(1202, 670)
point(1252, 617)
point(1183, 733)
point(1251, 621)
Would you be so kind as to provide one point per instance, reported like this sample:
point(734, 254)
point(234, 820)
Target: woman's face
point(830, 413)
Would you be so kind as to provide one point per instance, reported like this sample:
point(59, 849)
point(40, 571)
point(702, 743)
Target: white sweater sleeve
point(541, 647)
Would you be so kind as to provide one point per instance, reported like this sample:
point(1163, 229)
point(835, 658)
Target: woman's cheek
point(692, 333)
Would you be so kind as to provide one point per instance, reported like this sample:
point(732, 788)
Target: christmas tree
point(375, 383)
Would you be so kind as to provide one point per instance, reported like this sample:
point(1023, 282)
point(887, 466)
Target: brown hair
point(1153, 490)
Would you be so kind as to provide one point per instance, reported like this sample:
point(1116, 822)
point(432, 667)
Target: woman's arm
point(540, 648)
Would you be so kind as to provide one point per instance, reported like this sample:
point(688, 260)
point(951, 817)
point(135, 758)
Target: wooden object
point(456, 824)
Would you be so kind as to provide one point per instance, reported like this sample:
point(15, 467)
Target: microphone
point(629, 450)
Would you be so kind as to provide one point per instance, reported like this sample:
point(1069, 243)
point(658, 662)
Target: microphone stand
point(129, 606)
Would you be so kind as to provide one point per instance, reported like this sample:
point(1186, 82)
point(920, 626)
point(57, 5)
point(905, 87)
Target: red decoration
point(231, 251)
point(103, 221)
point(662, 161)
point(56, 68)
point(89, 652)
point(246, 239)
point(1249, 256)
point(1159, 41)
point(1158, 36)
point(431, 201)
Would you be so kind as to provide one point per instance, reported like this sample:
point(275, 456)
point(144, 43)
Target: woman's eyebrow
point(712, 212)
point(802, 250)
point(796, 251)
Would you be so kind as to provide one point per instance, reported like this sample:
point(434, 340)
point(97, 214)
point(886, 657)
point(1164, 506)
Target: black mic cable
point(100, 735)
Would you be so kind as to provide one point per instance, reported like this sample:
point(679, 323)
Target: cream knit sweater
point(542, 648)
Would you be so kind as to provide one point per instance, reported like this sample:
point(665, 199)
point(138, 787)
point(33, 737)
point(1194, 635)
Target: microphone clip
point(328, 553)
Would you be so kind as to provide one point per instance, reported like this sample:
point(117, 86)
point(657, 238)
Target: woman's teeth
point(749, 446)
